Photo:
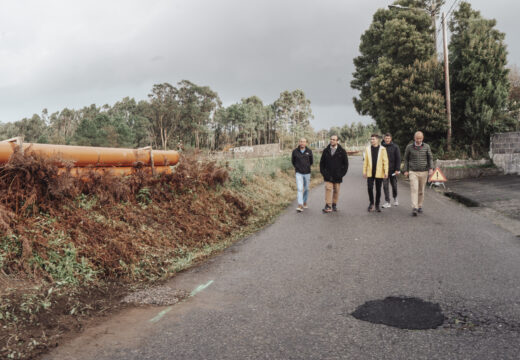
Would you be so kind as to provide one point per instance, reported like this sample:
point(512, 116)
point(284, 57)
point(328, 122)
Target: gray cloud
point(71, 54)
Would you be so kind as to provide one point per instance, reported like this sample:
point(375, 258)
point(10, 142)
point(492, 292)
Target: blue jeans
point(302, 184)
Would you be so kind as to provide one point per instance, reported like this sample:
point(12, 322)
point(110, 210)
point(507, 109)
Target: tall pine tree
point(479, 79)
point(398, 75)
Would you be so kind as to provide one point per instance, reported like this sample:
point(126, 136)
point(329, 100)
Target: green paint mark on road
point(199, 288)
point(161, 314)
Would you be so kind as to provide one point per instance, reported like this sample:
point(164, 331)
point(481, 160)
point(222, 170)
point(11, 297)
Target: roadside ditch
point(71, 250)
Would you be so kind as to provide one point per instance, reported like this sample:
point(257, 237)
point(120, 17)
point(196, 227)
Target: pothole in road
point(401, 312)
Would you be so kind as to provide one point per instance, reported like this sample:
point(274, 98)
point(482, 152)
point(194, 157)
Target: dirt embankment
point(71, 248)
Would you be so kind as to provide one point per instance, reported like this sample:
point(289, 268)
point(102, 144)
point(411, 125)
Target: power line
point(449, 14)
point(451, 8)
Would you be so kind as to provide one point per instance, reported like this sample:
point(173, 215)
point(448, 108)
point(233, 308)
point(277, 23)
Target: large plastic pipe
point(6, 150)
point(116, 171)
point(93, 156)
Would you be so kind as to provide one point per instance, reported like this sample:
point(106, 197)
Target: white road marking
point(197, 290)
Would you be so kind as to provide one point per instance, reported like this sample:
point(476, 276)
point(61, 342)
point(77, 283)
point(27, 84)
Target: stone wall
point(505, 152)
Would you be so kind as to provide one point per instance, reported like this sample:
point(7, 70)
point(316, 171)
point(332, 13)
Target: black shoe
point(378, 209)
point(370, 208)
point(334, 208)
point(327, 209)
point(419, 210)
point(414, 212)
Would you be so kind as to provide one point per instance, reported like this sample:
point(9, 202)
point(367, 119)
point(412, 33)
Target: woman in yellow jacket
point(375, 153)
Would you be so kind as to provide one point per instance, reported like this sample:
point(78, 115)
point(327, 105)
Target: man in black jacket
point(394, 167)
point(333, 166)
point(302, 161)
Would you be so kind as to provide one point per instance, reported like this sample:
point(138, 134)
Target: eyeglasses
point(333, 139)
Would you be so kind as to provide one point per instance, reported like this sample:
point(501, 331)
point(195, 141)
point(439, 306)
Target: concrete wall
point(505, 152)
point(463, 169)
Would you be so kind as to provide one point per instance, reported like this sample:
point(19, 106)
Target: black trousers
point(393, 181)
point(370, 183)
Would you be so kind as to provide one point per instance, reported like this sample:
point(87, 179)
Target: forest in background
point(183, 116)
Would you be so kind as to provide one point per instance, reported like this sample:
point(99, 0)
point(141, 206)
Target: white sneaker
point(299, 208)
point(396, 202)
point(386, 205)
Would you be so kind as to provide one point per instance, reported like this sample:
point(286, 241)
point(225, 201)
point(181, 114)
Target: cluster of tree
point(355, 134)
point(250, 122)
point(401, 80)
point(186, 114)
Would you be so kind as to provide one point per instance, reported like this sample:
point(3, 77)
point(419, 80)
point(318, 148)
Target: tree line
point(401, 80)
point(187, 114)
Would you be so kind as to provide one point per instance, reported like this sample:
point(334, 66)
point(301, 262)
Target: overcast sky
point(67, 53)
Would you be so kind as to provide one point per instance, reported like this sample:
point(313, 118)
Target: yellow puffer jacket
point(381, 166)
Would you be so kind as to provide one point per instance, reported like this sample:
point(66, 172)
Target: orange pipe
point(93, 156)
point(6, 150)
point(116, 171)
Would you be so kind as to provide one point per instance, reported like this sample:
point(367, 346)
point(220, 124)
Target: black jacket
point(394, 157)
point(302, 162)
point(333, 168)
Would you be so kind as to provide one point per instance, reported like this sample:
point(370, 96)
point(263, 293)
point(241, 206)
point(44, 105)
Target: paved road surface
point(288, 291)
point(498, 198)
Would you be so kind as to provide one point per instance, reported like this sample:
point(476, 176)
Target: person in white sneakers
point(394, 167)
point(375, 169)
point(302, 161)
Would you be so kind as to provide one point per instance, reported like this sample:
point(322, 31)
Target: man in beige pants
point(333, 167)
point(418, 165)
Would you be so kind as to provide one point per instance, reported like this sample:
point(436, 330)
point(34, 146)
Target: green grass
point(243, 170)
point(62, 264)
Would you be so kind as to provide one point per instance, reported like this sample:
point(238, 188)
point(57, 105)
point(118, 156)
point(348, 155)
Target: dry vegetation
point(71, 248)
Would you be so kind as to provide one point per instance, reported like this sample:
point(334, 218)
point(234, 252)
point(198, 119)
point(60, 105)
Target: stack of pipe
point(85, 159)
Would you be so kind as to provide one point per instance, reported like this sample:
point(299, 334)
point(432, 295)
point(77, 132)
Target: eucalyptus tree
point(293, 112)
point(33, 129)
point(256, 119)
point(132, 114)
point(163, 112)
point(197, 105)
point(63, 125)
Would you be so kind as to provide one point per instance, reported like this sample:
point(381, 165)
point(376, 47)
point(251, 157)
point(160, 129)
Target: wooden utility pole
point(433, 14)
point(447, 81)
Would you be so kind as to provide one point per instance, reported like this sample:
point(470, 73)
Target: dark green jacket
point(418, 158)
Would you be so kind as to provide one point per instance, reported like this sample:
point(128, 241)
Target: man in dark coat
point(394, 167)
point(333, 166)
point(302, 161)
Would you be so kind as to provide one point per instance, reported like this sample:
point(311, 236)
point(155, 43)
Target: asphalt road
point(288, 291)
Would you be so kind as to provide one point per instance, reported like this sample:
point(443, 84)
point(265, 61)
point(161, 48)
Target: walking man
point(394, 167)
point(418, 164)
point(302, 162)
point(333, 166)
point(375, 169)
